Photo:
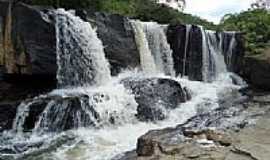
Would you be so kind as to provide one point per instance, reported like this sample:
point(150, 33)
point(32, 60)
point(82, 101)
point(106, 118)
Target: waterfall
point(22, 113)
point(188, 28)
point(81, 62)
point(229, 53)
point(213, 57)
point(95, 113)
point(159, 47)
point(155, 52)
point(147, 60)
point(80, 55)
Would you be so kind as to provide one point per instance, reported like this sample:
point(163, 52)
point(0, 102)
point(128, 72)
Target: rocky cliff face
point(117, 36)
point(28, 40)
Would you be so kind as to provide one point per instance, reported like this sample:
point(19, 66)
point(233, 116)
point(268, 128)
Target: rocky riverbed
point(237, 133)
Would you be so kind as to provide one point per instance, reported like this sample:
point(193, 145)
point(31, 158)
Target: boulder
point(257, 71)
point(117, 36)
point(154, 96)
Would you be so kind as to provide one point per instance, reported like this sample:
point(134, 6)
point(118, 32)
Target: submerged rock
point(154, 96)
point(7, 116)
point(12, 94)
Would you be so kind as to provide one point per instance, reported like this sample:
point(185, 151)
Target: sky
point(214, 10)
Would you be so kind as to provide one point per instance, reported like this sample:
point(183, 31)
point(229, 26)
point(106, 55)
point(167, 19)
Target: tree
point(261, 4)
point(255, 24)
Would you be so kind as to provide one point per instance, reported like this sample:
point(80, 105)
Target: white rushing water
point(232, 46)
point(102, 111)
point(159, 47)
point(213, 57)
point(156, 54)
point(80, 55)
point(109, 141)
point(147, 60)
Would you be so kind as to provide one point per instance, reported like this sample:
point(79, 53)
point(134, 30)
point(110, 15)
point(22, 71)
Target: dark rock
point(195, 56)
point(7, 115)
point(235, 59)
point(177, 39)
point(70, 108)
point(117, 36)
point(176, 36)
point(35, 34)
point(257, 71)
point(29, 40)
point(154, 95)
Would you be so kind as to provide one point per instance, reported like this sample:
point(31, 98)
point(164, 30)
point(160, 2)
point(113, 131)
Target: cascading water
point(159, 47)
point(147, 60)
point(229, 53)
point(213, 58)
point(83, 65)
point(81, 62)
point(188, 28)
point(153, 46)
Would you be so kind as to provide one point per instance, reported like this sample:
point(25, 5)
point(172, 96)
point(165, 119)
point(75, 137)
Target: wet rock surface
point(240, 133)
point(176, 36)
point(12, 94)
point(153, 95)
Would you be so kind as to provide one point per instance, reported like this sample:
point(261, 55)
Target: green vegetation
point(255, 24)
point(146, 10)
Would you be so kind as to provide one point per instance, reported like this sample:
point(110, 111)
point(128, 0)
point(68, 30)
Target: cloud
point(214, 10)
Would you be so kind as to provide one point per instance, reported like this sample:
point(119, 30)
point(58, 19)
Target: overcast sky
point(213, 10)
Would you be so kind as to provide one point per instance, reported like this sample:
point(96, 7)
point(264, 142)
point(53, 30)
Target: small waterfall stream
point(213, 56)
point(83, 65)
point(147, 60)
point(188, 28)
point(159, 47)
point(152, 43)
